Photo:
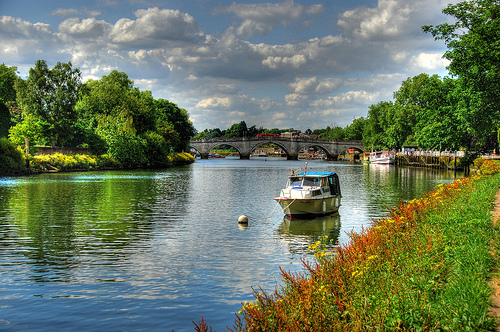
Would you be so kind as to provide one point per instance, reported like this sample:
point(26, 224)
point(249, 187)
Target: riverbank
point(426, 267)
point(58, 162)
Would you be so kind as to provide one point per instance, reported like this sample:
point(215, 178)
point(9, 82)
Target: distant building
point(290, 134)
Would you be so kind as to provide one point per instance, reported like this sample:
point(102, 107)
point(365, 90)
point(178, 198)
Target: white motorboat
point(382, 157)
point(310, 194)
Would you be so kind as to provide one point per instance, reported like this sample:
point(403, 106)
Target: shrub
point(181, 158)
point(157, 149)
point(127, 150)
point(12, 159)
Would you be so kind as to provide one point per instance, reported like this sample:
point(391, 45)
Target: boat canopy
point(316, 173)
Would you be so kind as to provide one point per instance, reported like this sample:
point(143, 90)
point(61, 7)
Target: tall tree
point(374, 137)
point(474, 51)
point(51, 95)
point(8, 78)
point(169, 115)
point(4, 119)
point(114, 95)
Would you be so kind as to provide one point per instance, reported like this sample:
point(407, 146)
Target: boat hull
point(382, 157)
point(309, 207)
point(385, 161)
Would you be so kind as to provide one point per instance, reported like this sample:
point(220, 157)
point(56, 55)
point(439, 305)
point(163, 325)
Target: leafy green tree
point(474, 51)
point(169, 114)
point(253, 131)
point(51, 95)
point(114, 95)
point(125, 147)
point(237, 130)
point(336, 134)
point(209, 134)
point(374, 136)
point(355, 130)
point(32, 128)
point(4, 119)
point(157, 149)
point(439, 127)
point(8, 78)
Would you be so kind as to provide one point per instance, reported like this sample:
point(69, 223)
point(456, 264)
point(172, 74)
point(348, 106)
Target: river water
point(155, 250)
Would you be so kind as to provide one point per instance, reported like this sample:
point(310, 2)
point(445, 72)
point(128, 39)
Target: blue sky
point(277, 64)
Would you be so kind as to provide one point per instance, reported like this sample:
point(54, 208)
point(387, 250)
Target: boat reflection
point(299, 234)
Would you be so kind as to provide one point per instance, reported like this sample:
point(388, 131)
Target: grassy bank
point(424, 268)
point(58, 162)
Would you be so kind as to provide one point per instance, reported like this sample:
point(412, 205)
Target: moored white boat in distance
point(310, 194)
point(382, 157)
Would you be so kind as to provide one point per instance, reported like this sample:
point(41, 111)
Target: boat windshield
point(296, 181)
point(311, 182)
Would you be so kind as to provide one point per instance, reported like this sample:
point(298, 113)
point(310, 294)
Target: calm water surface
point(156, 250)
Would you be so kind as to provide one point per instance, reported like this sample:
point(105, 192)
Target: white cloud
point(259, 19)
point(428, 62)
point(276, 62)
point(89, 27)
point(155, 25)
point(214, 103)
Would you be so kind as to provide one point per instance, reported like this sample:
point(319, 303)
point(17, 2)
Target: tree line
point(53, 107)
point(460, 112)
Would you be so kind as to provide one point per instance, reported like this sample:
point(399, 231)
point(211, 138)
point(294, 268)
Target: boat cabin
point(327, 180)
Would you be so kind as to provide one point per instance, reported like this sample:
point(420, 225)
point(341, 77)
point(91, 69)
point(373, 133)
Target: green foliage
point(128, 150)
point(4, 119)
point(31, 127)
point(335, 134)
point(8, 78)
point(374, 137)
point(474, 52)
point(114, 96)
point(51, 95)
point(156, 149)
point(209, 134)
point(355, 130)
point(237, 130)
point(12, 159)
point(169, 113)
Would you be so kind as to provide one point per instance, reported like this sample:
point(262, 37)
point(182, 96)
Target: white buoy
point(243, 219)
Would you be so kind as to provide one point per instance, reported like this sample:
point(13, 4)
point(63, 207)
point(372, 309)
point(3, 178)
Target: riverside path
point(291, 146)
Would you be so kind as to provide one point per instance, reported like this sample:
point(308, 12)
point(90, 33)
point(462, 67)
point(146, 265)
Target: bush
point(128, 150)
point(12, 159)
point(181, 158)
point(157, 149)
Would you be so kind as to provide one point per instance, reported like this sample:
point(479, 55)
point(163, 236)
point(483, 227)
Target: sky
point(299, 64)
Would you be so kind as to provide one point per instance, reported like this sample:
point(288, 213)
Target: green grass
point(425, 268)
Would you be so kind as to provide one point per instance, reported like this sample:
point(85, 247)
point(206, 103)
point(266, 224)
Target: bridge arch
point(329, 154)
point(204, 150)
point(262, 142)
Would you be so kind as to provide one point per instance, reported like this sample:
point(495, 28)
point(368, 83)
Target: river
point(154, 250)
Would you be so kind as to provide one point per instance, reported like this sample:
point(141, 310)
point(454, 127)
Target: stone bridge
point(291, 146)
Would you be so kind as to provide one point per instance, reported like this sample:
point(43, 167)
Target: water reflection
point(299, 234)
